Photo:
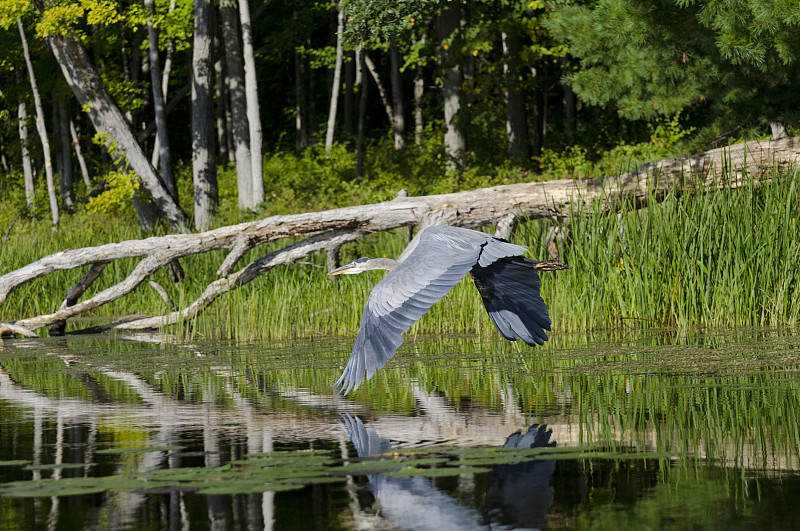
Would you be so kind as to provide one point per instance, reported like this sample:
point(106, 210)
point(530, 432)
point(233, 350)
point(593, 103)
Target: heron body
point(432, 264)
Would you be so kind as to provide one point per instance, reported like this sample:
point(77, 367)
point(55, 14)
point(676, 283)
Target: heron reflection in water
point(436, 260)
point(519, 495)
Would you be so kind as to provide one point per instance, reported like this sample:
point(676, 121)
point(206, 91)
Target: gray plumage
point(435, 261)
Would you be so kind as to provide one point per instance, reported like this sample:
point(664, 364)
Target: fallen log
point(722, 168)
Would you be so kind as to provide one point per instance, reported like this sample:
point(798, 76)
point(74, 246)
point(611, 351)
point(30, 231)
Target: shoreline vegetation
point(716, 258)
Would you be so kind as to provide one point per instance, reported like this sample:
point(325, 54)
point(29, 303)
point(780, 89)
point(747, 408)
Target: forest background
point(114, 115)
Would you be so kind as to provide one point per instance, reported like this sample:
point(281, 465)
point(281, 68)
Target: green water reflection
point(674, 429)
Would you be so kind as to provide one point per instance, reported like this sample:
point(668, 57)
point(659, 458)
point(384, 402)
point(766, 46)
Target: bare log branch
point(76, 292)
point(163, 294)
point(253, 270)
point(7, 329)
point(240, 247)
point(143, 269)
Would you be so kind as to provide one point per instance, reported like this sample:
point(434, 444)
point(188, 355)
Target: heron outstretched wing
point(509, 288)
point(442, 257)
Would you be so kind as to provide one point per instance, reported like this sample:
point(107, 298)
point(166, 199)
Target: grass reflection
point(731, 397)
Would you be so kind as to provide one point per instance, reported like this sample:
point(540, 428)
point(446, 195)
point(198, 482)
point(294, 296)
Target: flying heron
point(436, 260)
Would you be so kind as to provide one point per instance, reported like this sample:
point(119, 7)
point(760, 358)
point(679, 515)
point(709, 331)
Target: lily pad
point(243, 488)
point(58, 466)
point(436, 472)
point(15, 462)
point(140, 449)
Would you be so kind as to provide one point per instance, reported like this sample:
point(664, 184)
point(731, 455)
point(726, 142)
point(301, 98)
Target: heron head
point(353, 268)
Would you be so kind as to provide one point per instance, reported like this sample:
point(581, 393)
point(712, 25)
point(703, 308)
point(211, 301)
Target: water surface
point(645, 429)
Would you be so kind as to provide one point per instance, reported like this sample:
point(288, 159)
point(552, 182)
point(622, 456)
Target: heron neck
point(381, 263)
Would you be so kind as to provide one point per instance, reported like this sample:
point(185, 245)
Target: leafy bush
point(666, 140)
point(119, 190)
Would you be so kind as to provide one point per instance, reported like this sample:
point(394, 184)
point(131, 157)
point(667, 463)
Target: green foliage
point(764, 33)
point(666, 140)
point(65, 16)
point(116, 197)
point(373, 23)
point(11, 10)
point(177, 26)
point(324, 57)
point(657, 58)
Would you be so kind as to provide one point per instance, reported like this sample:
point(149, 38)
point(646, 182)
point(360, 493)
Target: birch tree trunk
point(516, 117)
point(79, 154)
point(40, 127)
point(399, 120)
point(204, 168)
point(419, 92)
point(107, 118)
point(27, 169)
point(219, 98)
point(236, 93)
point(65, 175)
point(154, 159)
point(362, 112)
point(455, 138)
point(778, 129)
point(253, 110)
point(162, 144)
point(337, 79)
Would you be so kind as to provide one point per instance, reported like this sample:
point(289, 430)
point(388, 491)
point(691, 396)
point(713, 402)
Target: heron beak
point(345, 269)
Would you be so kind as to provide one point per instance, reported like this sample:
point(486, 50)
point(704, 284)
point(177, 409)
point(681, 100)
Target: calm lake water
point(642, 429)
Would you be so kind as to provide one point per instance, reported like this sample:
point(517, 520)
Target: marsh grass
point(722, 259)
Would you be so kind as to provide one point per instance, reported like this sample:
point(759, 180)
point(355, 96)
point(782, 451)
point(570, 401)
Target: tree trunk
point(40, 127)
point(219, 98)
point(569, 106)
point(106, 117)
point(730, 167)
point(399, 121)
point(27, 169)
point(300, 103)
point(230, 141)
point(516, 117)
point(455, 138)
point(538, 118)
point(162, 142)
point(362, 113)
point(204, 167)
point(6, 167)
point(419, 92)
point(236, 92)
point(349, 81)
point(544, 118)
point(778, 129)
point(253, 111)
point(81, 161)
point(65, 173)
point(337, 79)
point(398, 140)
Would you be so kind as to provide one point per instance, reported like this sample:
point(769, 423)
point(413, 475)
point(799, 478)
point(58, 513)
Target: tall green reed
point(716, 258)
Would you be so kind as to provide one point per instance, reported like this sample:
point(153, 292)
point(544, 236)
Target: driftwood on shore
point(728, 167)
